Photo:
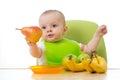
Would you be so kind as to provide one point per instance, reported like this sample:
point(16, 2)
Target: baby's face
point(52, 26)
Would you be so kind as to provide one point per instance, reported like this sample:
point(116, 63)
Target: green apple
point(82, 56)
point(70, 57)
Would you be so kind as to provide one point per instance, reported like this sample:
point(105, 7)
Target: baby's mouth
point(50, 35)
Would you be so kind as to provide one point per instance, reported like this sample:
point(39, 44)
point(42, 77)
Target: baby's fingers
point(29, 42)
point(103, 29)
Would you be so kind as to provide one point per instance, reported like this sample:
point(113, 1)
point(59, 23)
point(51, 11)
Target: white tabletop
point(27, 74)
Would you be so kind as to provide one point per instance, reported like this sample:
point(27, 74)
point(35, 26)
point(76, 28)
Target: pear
point(32, 33)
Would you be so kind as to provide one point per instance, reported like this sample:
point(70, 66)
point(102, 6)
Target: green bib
point(55, 52)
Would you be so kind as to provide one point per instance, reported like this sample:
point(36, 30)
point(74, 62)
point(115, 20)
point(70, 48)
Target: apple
point(82, 56)
point(70, 57)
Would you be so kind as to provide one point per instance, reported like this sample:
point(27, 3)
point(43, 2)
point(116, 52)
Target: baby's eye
point(54, 25)
point(43, 27)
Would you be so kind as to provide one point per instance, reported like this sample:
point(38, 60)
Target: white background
point(14, 51)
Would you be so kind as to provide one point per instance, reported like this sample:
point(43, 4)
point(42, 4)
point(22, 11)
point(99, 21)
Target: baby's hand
point(102, 30)
point(30, 43)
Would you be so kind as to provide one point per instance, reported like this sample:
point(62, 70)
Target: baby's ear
point(65, 29)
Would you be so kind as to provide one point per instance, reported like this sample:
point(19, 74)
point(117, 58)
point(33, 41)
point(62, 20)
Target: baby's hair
point(56, 11)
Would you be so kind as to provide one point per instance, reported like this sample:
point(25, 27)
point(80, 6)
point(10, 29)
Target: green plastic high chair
point(82, 31)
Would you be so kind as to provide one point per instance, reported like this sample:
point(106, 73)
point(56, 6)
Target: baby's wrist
point(97, 36)
point(31, 44)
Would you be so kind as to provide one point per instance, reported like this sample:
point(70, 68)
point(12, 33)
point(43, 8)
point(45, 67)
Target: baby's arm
point(94, 42)
point(34, 49)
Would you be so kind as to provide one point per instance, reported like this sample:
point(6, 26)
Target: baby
point(53, 47)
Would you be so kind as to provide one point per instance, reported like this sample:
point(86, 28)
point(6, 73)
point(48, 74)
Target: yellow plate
point(43, 69)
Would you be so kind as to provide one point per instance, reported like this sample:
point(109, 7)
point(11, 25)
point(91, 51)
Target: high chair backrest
point(82, 31)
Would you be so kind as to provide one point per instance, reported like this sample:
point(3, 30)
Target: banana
point(94, 64)
point(87, 66)
point(69, 62)
point(98, 63)
point(71, 65)
point(79, 67)
point(65, 64)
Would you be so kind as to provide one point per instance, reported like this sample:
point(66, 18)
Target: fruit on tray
point(32, 33)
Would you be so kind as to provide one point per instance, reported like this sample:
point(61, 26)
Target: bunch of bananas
point(70, 63)
point(84, 62)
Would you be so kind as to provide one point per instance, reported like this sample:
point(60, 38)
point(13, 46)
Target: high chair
point(82, 31)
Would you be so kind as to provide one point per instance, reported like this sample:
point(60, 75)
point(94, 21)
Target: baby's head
point(52, 23)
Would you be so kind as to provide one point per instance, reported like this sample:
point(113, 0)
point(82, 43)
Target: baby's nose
point(49, 29)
